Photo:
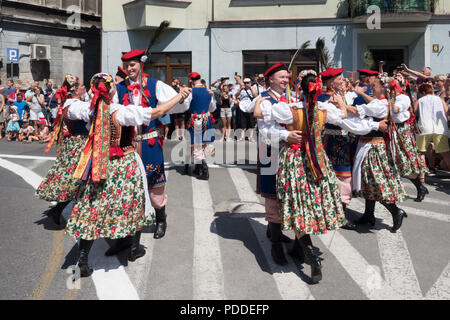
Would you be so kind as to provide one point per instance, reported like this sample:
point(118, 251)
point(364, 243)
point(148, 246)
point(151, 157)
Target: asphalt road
point(215, 246)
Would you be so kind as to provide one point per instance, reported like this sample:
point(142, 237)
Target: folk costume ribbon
point(58, 134)
point(95, 155)
point(313, 138)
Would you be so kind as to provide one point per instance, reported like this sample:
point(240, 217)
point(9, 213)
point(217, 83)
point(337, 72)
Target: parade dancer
point(113, 202)
point(374, 174)
point(139, 89)
point(337, 141)
point(59, 184)
point(407, 158)
point(201, 105)
point(270, 133)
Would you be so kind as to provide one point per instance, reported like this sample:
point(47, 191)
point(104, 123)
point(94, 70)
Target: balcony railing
point(359, 7)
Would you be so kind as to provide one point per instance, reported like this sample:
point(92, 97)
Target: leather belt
point(149, 135)
point(371, 139)
point(335, 132)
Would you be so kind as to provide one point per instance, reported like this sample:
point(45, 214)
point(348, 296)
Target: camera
point(224, 78)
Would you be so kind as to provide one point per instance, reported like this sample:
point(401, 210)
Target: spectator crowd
point(28, 115)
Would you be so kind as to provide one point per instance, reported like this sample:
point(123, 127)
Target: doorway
point(392, 58)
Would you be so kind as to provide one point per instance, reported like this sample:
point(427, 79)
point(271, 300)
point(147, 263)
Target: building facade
point(218, 38)
point(53, 37)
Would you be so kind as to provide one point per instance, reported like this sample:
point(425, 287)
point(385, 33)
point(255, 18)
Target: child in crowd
point(44, 132)
point(13, 124)
point(27, 133)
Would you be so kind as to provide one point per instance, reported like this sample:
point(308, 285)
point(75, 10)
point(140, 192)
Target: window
point(255, 62)
point(166, 66)
point(14, 73)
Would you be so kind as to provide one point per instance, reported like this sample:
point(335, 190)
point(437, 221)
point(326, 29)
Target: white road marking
point(109, 277)
point(373, 286)
point(208, 276)
point(441, 289)
point(395, 258)
point(425, 213)
point(287, 278)
point(18, 156)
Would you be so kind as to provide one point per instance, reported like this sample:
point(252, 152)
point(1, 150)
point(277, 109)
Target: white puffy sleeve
point(334, 115)
point(279, 112)
point(272, 131)
point(250, 106)
point(164, 93)
point(402, 102)
point(375, 108)
point(212, 104)
point(78, 110)
point(131, 115)
point(359, 126)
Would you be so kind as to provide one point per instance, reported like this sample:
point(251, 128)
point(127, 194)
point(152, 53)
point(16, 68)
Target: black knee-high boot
point(161, 223)
point(120, 245)
point(137, 250)
point(369, 214)
point(284, 238)
point(311, 259)
point(397, 215)
point(277, 248)
point(421, 189)
point(85, 247)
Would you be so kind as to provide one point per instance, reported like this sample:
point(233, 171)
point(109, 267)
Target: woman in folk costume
point(59, 184)
point(114, 202)
point(407, 159)
point(375, 174)
point(307, 187)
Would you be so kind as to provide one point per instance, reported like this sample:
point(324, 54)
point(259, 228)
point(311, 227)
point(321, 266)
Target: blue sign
point(12, 55)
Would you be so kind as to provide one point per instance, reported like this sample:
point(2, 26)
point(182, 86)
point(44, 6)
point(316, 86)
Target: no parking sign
point(12, 55)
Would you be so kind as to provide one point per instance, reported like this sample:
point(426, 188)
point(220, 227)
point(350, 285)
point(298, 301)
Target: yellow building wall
point(443, 7)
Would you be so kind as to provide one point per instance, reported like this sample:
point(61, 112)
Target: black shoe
point(312, 260)
point(137, 251)
point(398, 219)
point(197, 169)
point(120, 245)
point(277, 248)
point(297, 252)
point(397, 215)
point(284, 238)
point(369, 214)
point(85, 247)
point(187, 170)
point(421, 193)
point(161, 223)
point(351, 226)
point(56, 211)
point(204, 173)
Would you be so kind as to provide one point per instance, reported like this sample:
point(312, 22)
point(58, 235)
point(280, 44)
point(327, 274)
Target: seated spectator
point(13, 124)
point(44, 132)
point(27, 133)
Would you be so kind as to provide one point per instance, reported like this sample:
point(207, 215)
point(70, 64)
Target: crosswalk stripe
point(287, 278)
point(395, 258)
point(365, 275)
point(441, 289)
point(208, 276)
point(426, 213)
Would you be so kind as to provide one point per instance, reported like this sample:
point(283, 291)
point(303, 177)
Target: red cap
point(194, 76)
point(121, 72)
point(368, 72)
point(134, 54)
point(276, 67)
point(331, 72)
point(42, 122)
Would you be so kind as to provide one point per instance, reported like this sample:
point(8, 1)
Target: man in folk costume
point(59, 184)
point(139, 89)
point(121, 75)
point(201, 104)
point(277, 78)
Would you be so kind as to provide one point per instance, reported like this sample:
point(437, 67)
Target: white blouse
point(403, 102)
point(375, 108)
point(130, 115)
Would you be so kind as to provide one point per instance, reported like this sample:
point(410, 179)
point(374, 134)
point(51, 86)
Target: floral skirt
point(114, 208)
point(59, 184)
point(380, 179)
point(407, 159)
point(309, 206)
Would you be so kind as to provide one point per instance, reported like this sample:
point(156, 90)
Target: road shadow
point(244, 229)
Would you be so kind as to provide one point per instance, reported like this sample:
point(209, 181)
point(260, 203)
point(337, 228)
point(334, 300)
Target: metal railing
point(359, 7)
